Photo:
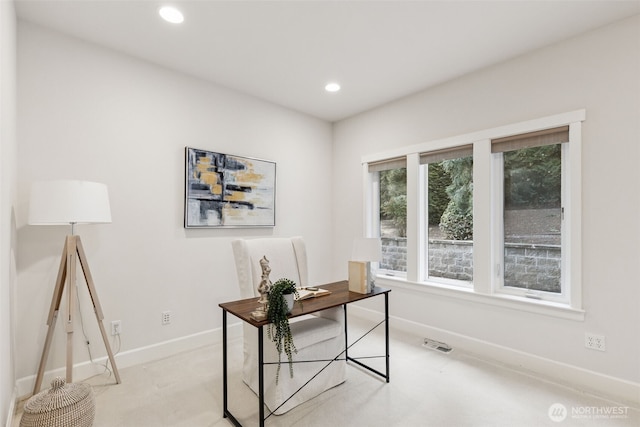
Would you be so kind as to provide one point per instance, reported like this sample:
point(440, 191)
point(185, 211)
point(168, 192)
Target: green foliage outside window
point(532, 180)
point(393, 198)
point(457, 220)
point(439, 180)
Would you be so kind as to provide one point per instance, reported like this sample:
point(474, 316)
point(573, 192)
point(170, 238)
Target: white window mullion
point(497, 223)
point(572, 248)
point(415, 231)
point(482, 271)
point(371, 202)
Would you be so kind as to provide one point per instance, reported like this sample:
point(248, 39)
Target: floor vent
point(437, 345)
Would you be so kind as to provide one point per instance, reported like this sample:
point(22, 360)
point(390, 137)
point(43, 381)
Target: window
point(449, 218)
point(491, 216)
point(532, 212)
point(390, 179)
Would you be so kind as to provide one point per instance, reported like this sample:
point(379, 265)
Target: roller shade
point(531, 139)
point(384, 165)
point(446, 154)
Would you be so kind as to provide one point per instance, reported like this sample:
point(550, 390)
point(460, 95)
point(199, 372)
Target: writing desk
point(340, 296)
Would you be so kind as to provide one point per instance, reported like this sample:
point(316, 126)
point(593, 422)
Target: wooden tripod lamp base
point(70, 202)
point(71, 252)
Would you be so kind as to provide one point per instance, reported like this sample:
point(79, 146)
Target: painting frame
point(228, 191)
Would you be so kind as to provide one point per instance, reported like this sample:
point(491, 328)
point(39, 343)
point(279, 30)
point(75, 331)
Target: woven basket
point(63, 405)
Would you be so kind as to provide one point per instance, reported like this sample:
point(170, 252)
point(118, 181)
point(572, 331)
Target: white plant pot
point(288, 298)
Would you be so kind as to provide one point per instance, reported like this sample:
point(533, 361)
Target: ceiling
point(286, 51)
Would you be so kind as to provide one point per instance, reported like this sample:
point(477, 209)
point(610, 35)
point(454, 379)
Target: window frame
point(375, 224)
point(498, 239)
point(423, 217)
point(484, 288)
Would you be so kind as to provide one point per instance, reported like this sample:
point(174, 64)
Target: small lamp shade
point(366, 249)
point(69, 202)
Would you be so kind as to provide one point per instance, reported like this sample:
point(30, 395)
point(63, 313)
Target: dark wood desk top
point(339, 295)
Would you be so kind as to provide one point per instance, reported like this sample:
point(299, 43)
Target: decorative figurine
point(263, 289)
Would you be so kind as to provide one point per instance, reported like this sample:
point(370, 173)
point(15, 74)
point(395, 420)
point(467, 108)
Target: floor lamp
point(70, 203)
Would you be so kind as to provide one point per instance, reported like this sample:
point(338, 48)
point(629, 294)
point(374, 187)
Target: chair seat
point(310, 330)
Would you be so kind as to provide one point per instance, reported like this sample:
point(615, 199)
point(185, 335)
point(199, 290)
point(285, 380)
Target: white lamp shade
point(69, 202)
point(366, 249)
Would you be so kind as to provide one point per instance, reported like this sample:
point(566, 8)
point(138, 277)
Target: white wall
point(88, 113)
point(597, 71)
point(8, 184)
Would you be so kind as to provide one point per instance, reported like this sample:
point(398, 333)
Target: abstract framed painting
point(226, 191)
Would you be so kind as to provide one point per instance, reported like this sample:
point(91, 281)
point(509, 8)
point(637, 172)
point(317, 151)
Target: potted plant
point(278, 329)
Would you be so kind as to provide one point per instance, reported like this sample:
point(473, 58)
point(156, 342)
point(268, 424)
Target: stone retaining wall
point(532, 266)
point(451, 259)
point(528, 266)
point(394, 254)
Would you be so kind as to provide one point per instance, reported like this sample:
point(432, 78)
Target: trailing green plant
point(279, 330)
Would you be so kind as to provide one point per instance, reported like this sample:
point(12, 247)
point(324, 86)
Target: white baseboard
point(604, 386)
point(607, 387)
point(137, 356)
point(12, 408)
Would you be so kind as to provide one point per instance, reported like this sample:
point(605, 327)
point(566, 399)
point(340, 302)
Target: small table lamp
point(70, 202)
point(365, 251)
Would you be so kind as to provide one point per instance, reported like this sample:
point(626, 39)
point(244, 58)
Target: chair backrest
point(287, 259)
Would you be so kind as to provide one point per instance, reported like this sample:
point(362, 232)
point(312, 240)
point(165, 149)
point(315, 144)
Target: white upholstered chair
point(320, 336)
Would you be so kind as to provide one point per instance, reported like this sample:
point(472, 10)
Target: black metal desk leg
point(346, 333)
point(260, 376)
point(225, 382)
point(224, 363)
point(386, 329)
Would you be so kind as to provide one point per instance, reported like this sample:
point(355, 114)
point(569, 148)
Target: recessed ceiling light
point(171, 14)
point(332, 87)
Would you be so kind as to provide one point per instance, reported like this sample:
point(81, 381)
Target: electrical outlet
point(116, 327)
point(595, 342)
point(166, 317)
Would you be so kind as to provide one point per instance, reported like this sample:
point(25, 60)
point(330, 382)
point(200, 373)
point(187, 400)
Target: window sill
point(545, 308)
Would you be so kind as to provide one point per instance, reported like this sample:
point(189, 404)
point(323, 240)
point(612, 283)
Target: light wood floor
point(427, 388)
